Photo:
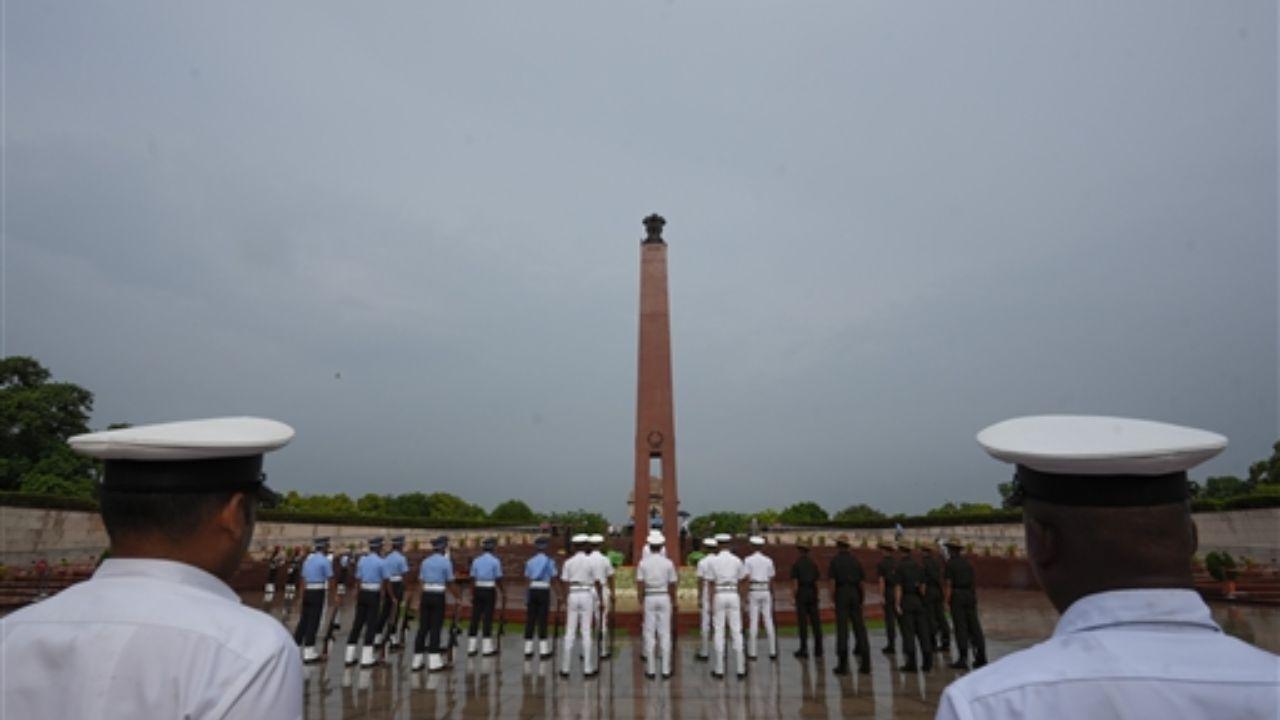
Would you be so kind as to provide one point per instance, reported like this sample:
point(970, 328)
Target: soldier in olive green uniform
point(888, 569)
point(915, 623)
point(963, 599)
point(846, 587)
point(805, 574)
point(939, 635)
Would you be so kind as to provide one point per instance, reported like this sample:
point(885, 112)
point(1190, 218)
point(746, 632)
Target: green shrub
point(1221, 565)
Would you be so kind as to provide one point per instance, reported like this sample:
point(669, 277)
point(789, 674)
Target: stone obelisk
point(655, 412)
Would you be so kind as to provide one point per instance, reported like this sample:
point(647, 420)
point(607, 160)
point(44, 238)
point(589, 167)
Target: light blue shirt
point(486, 567)
point(540, 567)
point(394, 564)
point(436, 569)
point(370, 569)
point(317, 568)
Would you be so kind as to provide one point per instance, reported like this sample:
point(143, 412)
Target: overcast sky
point(412, 232)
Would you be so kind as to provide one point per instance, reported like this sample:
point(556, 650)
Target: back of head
point(1105, 500)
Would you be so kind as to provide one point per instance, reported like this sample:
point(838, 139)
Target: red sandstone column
point(655, 411)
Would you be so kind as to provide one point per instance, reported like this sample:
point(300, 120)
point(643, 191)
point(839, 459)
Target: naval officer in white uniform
point(726, 573)
point(656, 581)
point(1110, 538)
point(578, 584)
point(156, 632)
point(760, 571)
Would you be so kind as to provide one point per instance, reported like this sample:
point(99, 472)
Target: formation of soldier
point(735, 599)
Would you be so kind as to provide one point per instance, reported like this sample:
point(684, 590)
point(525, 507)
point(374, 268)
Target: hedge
point(383, 521)
point(58, 502)
point(48, 502)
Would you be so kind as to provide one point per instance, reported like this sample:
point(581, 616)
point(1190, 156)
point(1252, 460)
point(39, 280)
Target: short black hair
point(174, 515)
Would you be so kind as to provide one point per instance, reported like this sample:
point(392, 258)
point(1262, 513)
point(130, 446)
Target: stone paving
point(508, 686)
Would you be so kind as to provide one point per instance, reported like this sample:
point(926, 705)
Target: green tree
point(372, 504)
point(36, 418)
point(733, 523)
point(445, 506)
point(804, 513)
point(1221, 487)
point(414, 505)
point(514, 511)
point(576, 521)
point(858, 513)
point(950, 508)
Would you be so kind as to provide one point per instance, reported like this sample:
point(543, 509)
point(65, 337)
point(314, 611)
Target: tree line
point(37, 415)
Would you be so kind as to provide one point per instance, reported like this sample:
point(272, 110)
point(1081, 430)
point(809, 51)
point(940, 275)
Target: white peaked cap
point(579, 538)
point(757, 540)
point(1096, 445)
point(709, 542)
point(595, 538)
point(723, 537)
point(186, 440)
point(656, 538)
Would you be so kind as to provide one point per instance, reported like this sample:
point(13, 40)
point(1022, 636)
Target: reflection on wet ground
point(509, 686)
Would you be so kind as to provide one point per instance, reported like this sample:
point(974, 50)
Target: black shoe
point(701, 658)
point(650, 675)
point(864, 669)
point(742, 676)
point(959, 665)
point(773, 656)
point(801, 653)
point(817, 653)
point(752, 658)
point(841, 669)
point(888, 650)
point(946, 647)
point(564, 674)
point(979, 663)
point(544, 657)
point(716, 675)
point(666, 676)
point(927, 666)
point(909, 667)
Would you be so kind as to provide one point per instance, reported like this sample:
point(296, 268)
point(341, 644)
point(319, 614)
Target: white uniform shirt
point(656, 573)
point(724, 568)
point(580, 570)
point(645, 552)
point(148, 639)
point(703, 568)
point(759, 567)
point(604, 568)
point(1126, 654)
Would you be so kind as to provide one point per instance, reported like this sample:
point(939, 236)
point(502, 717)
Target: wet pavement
point(509, 686)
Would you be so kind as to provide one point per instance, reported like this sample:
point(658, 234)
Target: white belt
point(581, 587)
point(370, 586)
point(721, 587)
point(539, 584)
point(655, 588)
point(396, 578)
point(760, 585)
point(432, 587)
point(484, 583)
point(316, 586)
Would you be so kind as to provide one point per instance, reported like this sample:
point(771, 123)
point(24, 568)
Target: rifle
point(502, 617)
point(555, 633)
point(454, 629)
point(333, 625)
point(773, 617)
point(406, 615)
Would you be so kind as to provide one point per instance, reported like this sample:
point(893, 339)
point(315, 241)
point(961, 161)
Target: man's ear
point(234, 515)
